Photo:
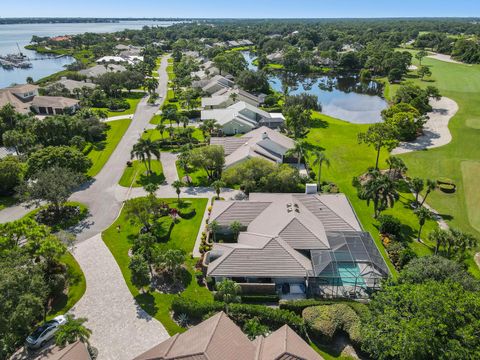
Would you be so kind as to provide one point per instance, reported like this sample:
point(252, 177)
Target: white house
point(227, 96)
point(242, 117)
point(262, 142)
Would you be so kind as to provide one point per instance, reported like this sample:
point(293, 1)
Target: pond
point(342, 96)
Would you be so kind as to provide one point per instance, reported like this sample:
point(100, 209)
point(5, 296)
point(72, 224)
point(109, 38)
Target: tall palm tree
point(177, 185)
point(298, 151)
point(380, 190)
point(417, 185)
point(213, 228)
point(423, 214)
point(184, 162)
point(319, 159)
point(235, 227)
point(161, 127)
point(73, 330)
point(431, 185)
point(440, 237)
point(151, 85)
point(217, 186)
point(397, 165)
point(143, 150)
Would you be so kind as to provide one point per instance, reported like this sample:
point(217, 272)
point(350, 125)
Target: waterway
point(44, 65)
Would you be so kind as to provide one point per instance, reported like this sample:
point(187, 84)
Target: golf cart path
point(435, 130)
point(121, 329)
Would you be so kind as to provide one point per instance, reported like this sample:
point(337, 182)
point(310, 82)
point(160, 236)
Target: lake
point(44, 65)
point(342, 96)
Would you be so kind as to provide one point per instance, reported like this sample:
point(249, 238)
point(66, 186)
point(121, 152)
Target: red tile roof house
point(299, 244)
point(218, 338)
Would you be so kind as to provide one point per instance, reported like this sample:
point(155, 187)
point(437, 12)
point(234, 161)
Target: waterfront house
point(228, 96)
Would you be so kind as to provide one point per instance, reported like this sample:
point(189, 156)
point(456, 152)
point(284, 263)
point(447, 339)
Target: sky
point(241, 8)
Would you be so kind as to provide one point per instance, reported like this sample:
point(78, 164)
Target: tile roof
point(284, 344)
point(74, 351)
point(54, 101)
point(260, 256)
point(217, 338)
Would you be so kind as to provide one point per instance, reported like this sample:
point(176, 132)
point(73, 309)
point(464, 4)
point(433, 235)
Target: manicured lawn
point(136, 175)
point(199, 177)
point(349, 159)
point(133, 99)
point(156, 119)
point(470, 176)
point(154, 134)
point(76, 288)
point(183, 237)
point(462, 84)
point(6, 201)
point(102, 151)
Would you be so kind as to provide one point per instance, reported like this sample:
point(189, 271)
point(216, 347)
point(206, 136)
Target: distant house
point(125, 59)
point(97, 70)
point(262, 142)
point(218, 338)
point(227, 96)
point(218, 82)
point(242, 117)
point(301, 244)
point(71, 85)
point(275, 57)
point(245, 42)
point(54, 105)
point(25, 98)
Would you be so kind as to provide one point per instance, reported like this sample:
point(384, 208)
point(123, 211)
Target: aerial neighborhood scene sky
point(244, 9)
point(239, 180)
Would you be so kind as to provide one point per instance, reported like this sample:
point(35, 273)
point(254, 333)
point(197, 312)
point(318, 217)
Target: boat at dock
point(11, 61)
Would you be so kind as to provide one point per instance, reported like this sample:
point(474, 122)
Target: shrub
point(447, 188)
point(444, 180)
point(326, 321)
point(194, 309)
point(399, 254)
point(389, 225)
point(297, 306)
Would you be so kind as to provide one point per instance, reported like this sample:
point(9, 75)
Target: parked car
point(45, 332)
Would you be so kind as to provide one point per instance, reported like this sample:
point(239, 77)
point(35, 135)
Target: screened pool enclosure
point(352, 267)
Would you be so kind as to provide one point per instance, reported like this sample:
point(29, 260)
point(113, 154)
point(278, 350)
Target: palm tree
point(397, 165)
point(298, 151)
point(460, 242)
point(431, 185)
point(235, 227)
point(73, 330)
point(161, 127)
point(423, 214)
point(171, 261)
point(228, 291)
point(319, 159)
point(218, 185)
point(177, 185)
point(379, 189)
point(143, 150)
point(151, 84)
point(440, 237)
point(184, 162)
point(417, 185)
point(150, 188)
point(171, 132)
point(213, 228)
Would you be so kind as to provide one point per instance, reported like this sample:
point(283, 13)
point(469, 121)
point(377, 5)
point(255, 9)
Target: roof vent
point(264, 135)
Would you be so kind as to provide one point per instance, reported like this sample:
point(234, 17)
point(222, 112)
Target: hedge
point(239, 313)
point(297, 306)
point(254, 298)
point(447, 188)
point(444, 180)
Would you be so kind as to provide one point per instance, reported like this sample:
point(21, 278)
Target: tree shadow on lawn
point(312, 147)
point(153, 178)
point(99, 146)
point(317, 123)
point(146, 307)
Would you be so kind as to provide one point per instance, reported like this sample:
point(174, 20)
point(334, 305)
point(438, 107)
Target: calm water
point(342, 97)
point(44, 65)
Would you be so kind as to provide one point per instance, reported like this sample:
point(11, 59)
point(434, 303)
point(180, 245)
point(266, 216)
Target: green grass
point(101, 151)
point(133, 99)
point(154, 134)
point(462, 84)
point(76, 287)
point(470, 173)
point(6, 201)
point(349, 159)
point(136, 176)
point(63, 225)
point(156, 119)
point(198, 177)
point(183, 237)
